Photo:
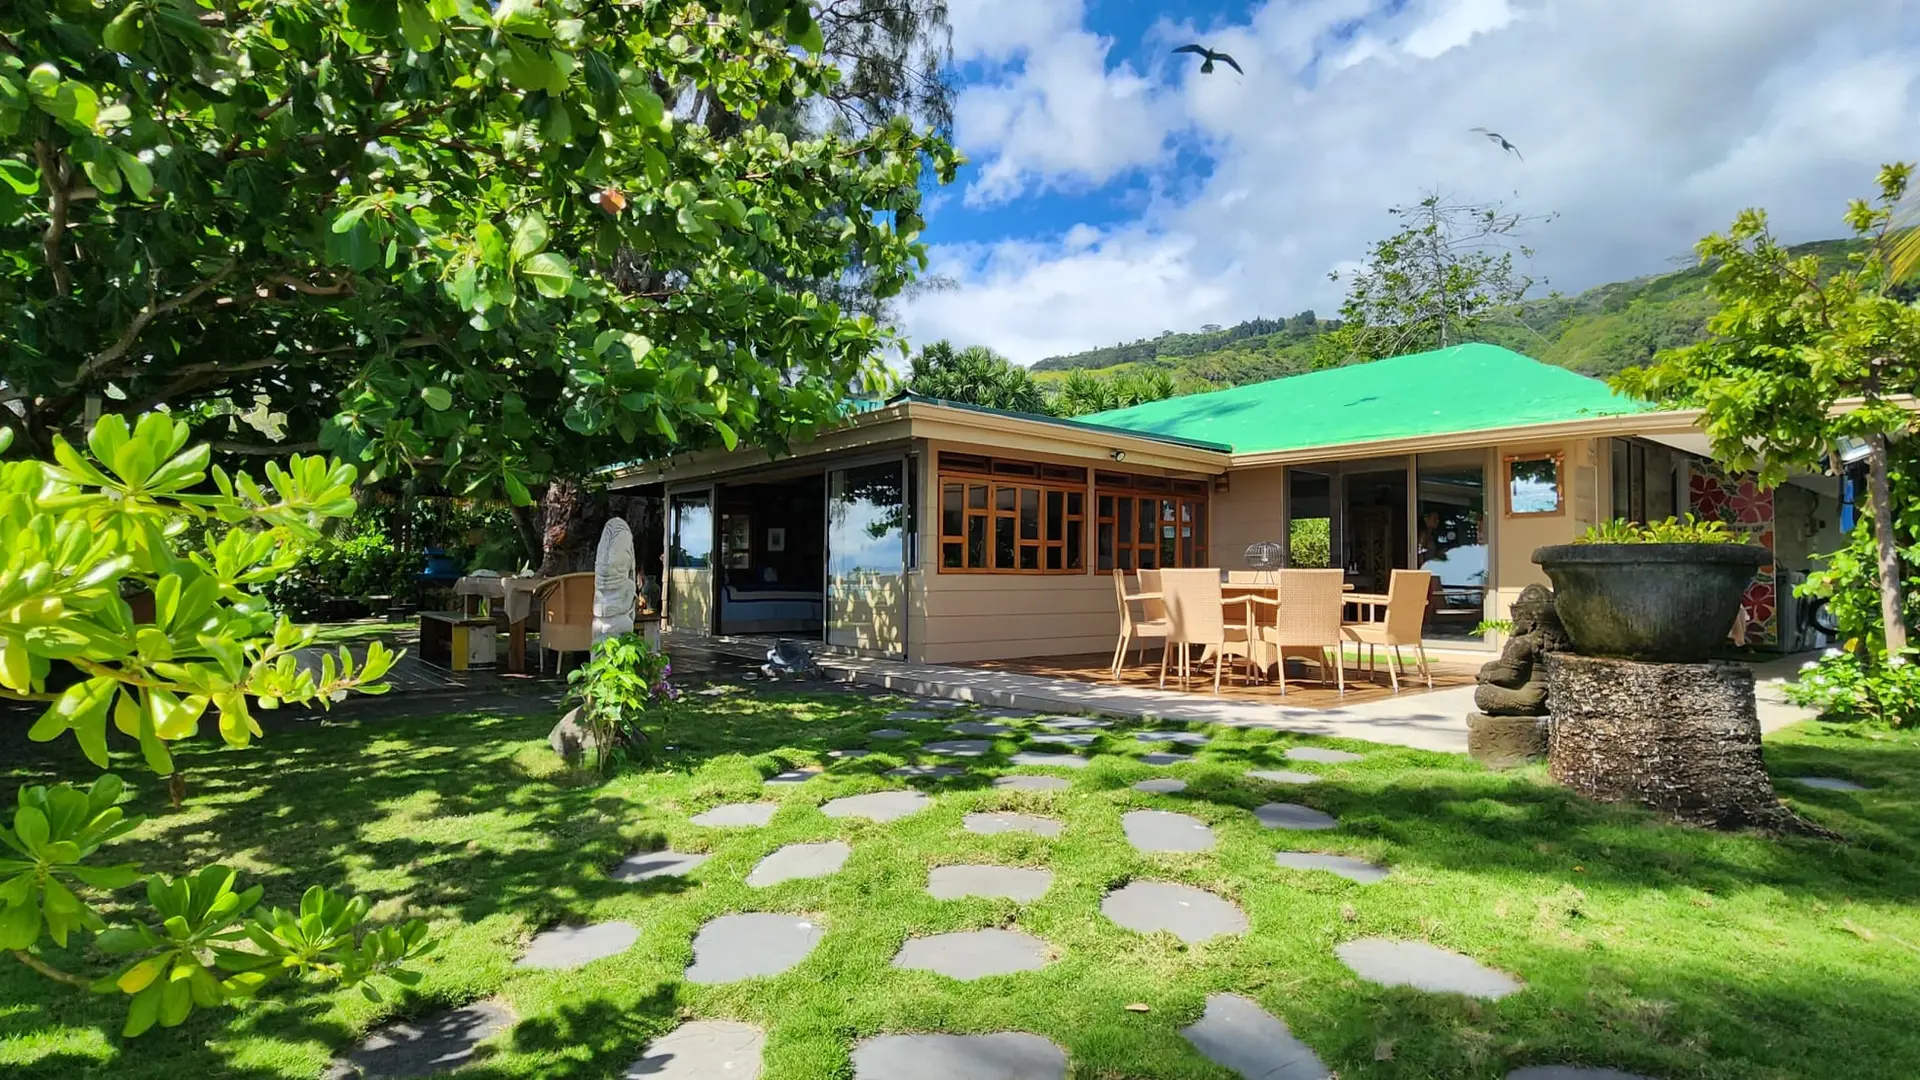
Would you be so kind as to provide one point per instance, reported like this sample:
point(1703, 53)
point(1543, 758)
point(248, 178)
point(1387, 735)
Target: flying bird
point(1494, 136)
point(1207, 67)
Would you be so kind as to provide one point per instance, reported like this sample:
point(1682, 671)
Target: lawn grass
point(1667, 951)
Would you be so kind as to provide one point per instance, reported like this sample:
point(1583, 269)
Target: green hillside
point(1597, 332)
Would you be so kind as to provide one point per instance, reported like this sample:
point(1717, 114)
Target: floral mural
point(1748, 508)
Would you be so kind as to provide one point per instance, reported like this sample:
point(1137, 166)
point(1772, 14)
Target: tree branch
point(112, 353)
point(52, 972)
point(56, 231)
point(267, 449)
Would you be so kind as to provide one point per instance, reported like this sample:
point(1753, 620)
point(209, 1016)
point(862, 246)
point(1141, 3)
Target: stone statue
point(1511, 726)
point(614, 583)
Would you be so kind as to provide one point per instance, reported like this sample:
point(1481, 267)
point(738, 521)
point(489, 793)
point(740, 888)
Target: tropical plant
point(622, 685)
point(1310, 542)
point(1491, 626)
point(1686, 530)
point(975, 375)
point(1846, 685)
point(1801, 361)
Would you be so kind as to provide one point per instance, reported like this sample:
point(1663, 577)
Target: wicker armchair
point(1151, 624)
point(1196, 615)
point(566, 617)
point(1406, 610)
point(1307, 622)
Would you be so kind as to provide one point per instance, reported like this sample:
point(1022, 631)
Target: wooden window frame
point(1559, 460)
point(1048, 549)
point(1183, 504)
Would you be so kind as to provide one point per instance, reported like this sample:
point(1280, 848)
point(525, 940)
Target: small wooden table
point(456, 641)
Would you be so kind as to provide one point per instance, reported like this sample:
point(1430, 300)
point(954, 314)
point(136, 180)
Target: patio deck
point(1361, 688)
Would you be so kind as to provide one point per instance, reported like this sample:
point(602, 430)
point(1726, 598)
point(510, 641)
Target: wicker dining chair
point(1196, 615)
point(1307, 622)
point(1406, 610)
point(566, 617)
point(1135, 632)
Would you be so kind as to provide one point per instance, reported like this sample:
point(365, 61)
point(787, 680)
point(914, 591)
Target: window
point(1011, 517)
point(1136, 531)
point(1534, 485)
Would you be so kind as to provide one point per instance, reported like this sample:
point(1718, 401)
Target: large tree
point(484, 239)
point(975, 375)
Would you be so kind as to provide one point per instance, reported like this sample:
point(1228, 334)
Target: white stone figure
point(614, 582)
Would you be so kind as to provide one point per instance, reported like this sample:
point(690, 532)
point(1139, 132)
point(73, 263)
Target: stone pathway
point(1236, 1033)
point(703, 1050)
point(1162, 757)
point(425, 1047)
point(1184, 738)
point(1052, 761)
point(1423, 967)
point(927, 772)
point(973, 954)
point(1283, 776)
point(915, 715)
point(1190, 914)
point(1286, 815)
point(1321, 755)
point(656, 864)
point(1827, 783)
point(959, 747)
point(888, 733)
point(797, 861)
point(1163, 785)
point(1063, 738)
point(978, 727)
point(1163, 830)
point(1032, 783)
point(1074, 723)
point(738, 815)
point(735, 947)
point(1006, 1055)
point(795, 776)
point(980, 879)
point(1346, 866)
point(878, 805)
point(848, 754)
point(994, 822)
point(572, 946)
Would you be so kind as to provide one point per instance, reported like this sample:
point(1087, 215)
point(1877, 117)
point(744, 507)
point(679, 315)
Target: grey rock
point(795, 776)
point(1074, 723)
point(994, 822)
point(1063, 738)
point(1827, 783)
point(978, 727)
point(1423, 967)
point(1052, 761)
point(1571, 1072)
point(1001, 713)
point(888, 733)
point(656, 864)
point(1163, 830)
point(973, 954)
point(571, 739)
point(703, 1050)
point(847, 755)
point(1163, 757)
point(1184, 738)
point(878, 805)
point(1162, 785)
point(915, 715)
point(738, 815)
point(1283, 776)
point(428, 1046)
point(797, 861)
point(1003, 882)
point(959, 747)
point(1237, 1034)
point(926, 772)
point(1190, 914)
point(1286, 815)
point(735, 947)
point(1032, 783)
point(1321, 754)
point(571, 946)
point(1346, 866)
point(1006, 1055)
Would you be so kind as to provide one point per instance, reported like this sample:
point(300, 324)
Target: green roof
point(1455, 390)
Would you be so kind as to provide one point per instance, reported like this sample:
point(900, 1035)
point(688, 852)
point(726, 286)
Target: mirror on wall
point(1536, 485)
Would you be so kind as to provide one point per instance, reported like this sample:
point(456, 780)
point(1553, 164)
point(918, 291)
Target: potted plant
point(1665, 592)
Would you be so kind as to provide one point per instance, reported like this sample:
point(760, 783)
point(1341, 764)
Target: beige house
point(939, 532)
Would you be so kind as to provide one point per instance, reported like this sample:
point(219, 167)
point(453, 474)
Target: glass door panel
point(690, 563)
point(1450, 539)
point(867, 557)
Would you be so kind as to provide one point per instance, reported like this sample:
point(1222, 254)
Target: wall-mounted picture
point(776, 539)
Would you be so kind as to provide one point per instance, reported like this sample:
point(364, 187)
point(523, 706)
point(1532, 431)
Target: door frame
point(909, 503)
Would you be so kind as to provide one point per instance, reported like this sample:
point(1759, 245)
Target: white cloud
point(1645, 124)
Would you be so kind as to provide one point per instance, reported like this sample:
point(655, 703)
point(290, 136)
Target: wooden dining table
point(1266, 654)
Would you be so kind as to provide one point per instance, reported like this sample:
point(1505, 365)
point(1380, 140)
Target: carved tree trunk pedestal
point(1683, 739)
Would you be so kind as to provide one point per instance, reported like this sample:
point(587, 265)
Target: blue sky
point(1115, 192)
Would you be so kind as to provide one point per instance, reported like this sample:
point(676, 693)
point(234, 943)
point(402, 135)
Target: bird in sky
point(1207, 67)
point(1494, 136)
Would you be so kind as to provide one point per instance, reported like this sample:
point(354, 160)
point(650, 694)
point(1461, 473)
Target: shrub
point(1687, 530)
point(1310, 543)
point(1849, 687)
point(619, 687)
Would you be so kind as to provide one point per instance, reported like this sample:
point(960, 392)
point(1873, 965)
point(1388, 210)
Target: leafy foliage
point(1687, 530)
point(617, 689)
point(1310, 542)
point(975, 375)
point(1848, 685)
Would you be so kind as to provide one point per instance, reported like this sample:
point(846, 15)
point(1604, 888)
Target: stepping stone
point(1237, 1034)
point(914, 715)
point(1286, 815)
point(702, 1050)
point(1063, 739)
point(888, 733)
point(1283, 776)
point(848, 754)
point(1190, 914)
point(656, 864)
point(795, 776)
point(1423, 967)
point(1163, 830)
point(998, 712)
point(425, 1047)
point(1074, 723)
point(1164, 785)
point(1571, 1072)
point(1032, 783)
point(738, 815)
point(735, 947)
point(797, 861)
point(1319, 754)
point(1184, 738)
point(995, 822)
point(926, 772)
point(959, 747)
point(974, 954)
point(1005, 1055)
point(1162, 757)
point(1828, 783)
point(1346, 866)
point(1004, 882)
point(572, 946)
point(977, 727)
point(878, 805)
point(1052, 761)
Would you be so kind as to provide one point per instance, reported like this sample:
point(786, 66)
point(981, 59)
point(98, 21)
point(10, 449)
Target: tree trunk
point(529, 532)
point(570, 520)
point(1880, 492)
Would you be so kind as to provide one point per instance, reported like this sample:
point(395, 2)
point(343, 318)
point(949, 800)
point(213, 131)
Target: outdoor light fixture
point(1117, 455)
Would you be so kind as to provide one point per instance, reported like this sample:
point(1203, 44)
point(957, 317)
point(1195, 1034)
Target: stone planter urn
point(1669, 603)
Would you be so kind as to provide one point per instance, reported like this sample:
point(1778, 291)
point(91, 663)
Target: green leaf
point(529, 237)
point(437, 398)
point(103, 175)
point(19, 925)
point(516, 491)
point(22, 177)
point(727, 435)
point(551, 274)
point(419, 25)
point(30, 825)
point(124, 34)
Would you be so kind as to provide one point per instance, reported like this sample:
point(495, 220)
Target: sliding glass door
point(690, 562)
point(867, 557)
point(1451, 542)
